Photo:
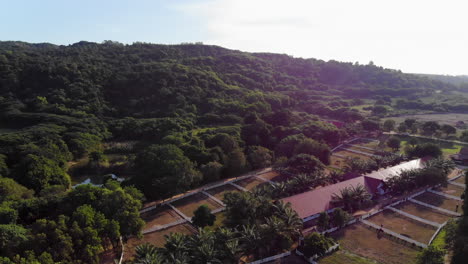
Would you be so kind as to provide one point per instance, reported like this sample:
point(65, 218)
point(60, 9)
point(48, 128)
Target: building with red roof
point(310, 204)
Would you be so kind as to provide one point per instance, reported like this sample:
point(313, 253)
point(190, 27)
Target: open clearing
point(403, 225)
point(366, 143)
point(219, 192)
point(451, 190)
point(250, 183)
point(448, 148)
point(344, 257)
point(423, 212)
point(437, 200)
point(156, 238)
point(159, 216)
point(189, 204)
point(449, 118)
point(365, 242)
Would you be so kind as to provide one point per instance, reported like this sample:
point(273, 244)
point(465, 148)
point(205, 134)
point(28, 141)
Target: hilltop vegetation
point(197, 114)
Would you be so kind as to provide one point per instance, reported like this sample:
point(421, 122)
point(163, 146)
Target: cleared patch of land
point(365, 242)
point(344, 257)
point(159, 216)
point(438, 200)
point(423, 212)
point(360, 149)
point(352, 154)
point(366, 143)
point(219, 192)
point(156, 238)
point(403, 225)
point(189, 204)
point(451, 190)
point(250, 183)
point(449, 118)
point(448, 148)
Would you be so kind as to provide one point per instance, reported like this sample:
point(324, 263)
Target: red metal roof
point(319, 200)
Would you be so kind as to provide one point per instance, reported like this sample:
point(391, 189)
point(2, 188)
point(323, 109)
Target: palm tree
point(251, 240)
point(203, 247)
point(147, 254)
point(176, 244)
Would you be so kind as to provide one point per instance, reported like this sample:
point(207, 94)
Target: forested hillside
point(178, 116)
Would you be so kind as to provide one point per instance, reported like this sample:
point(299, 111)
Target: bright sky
point(423, 36)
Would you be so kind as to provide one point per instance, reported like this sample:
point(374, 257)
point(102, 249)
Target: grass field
point(160, 216)
point(438, 200)
point(447, 148)
point(352, 154)
point(423, 212)
point(219, 192)
point(219, 222)
point(365, 242)
point(451, 189)
point(366, 143)
point(156, 238)
point(360, 149)
point(345, 257)
point(403, 225)
point(189, 204)
point(250, 183)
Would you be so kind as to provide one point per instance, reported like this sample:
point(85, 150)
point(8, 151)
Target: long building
point(310, 204)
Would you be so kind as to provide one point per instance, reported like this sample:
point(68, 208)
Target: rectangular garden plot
point(191, 203)
point(156, 238)
point(272, 176)
point(438, 200)
point(423, 212)
point(404, 226)
point(451, 190)
point(219, 192)
point(357, 148)
point(250, 183)
point(344, 257)
point(352, 154)
point(160, 216)
point(366, 242)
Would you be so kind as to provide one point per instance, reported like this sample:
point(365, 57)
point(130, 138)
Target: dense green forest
point(193, 114)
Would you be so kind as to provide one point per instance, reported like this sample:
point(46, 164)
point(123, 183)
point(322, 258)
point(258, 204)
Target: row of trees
point(255, 227)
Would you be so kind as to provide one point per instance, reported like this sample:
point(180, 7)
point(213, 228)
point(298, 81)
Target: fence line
point(360, 152)
point(446, 195)
point(390, 232)
point(239, 187)
point(213, 198)
point(435, 207)
point(437, 232)
point(457, 184)
point(422, 220)
point(282, 255)
point(161, 227)
point(180, 213)
point(315, 257)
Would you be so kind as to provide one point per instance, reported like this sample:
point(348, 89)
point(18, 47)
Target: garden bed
point(250, 183)
point(189, 204)
point(352, 154)
point(156, 238)
point(439, 201)
point(219, 192)
point(365, 242)
point(344, 257)
point(403, 225)
point(451, 190)
point(159, 216)
point(272, 176)
point(423, 212)
point(460, 180)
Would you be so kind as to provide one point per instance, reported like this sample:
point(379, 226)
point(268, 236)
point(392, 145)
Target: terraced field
point(437, 200)
point(189, 204)
point(423, 212)
point(160, 216)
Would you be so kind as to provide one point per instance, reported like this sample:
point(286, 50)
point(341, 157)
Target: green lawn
point(447, 147)
point(439, 240)
point(345, 257)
